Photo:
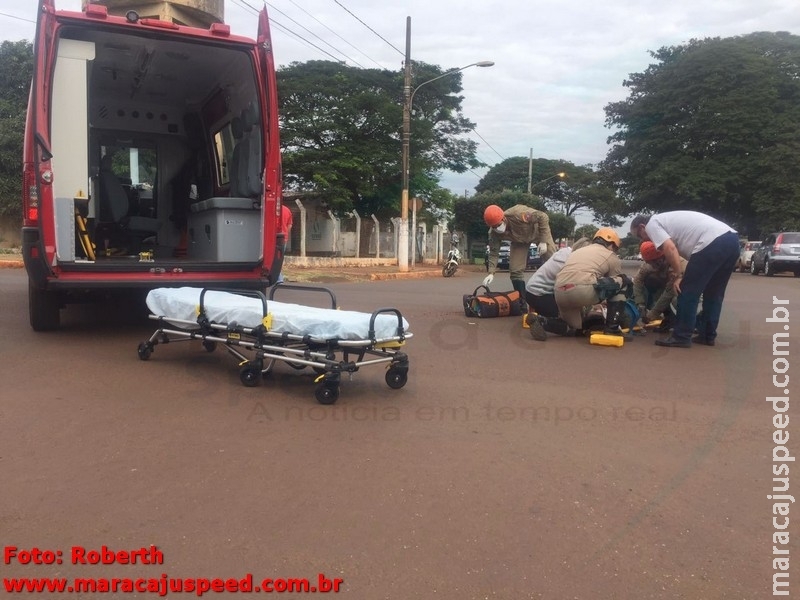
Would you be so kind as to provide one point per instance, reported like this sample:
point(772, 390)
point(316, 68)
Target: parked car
point(746, 255)
point(533, 263)
point(778, 252)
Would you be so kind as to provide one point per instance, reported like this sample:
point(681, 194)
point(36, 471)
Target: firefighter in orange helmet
point(522, 226)
point(653, 290)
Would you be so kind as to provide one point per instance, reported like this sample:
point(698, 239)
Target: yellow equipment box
point(604, 339)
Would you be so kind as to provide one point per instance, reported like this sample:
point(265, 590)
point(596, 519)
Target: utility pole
point(530, 169)
point(402, 250)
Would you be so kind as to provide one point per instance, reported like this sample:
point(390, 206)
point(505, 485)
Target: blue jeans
point(707, 274)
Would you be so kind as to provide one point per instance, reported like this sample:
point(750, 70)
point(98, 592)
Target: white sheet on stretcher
point(225, 308)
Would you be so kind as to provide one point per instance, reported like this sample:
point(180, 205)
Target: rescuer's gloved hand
point(489, 278)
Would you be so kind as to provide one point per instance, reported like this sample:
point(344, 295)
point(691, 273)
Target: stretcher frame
point(258, 349)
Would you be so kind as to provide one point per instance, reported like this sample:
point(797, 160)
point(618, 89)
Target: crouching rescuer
point(591, 275)
point(522, 226)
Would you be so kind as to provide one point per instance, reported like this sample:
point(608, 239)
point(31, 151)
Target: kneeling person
point(590, 275)
point(540, 294)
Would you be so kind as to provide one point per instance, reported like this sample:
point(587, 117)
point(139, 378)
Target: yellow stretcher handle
point(83, 235)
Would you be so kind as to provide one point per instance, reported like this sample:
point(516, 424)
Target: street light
point(481, 63)
point(561, 175)
point(408, 96)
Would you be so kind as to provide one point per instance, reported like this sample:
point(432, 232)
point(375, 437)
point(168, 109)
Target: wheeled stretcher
point(259, 331)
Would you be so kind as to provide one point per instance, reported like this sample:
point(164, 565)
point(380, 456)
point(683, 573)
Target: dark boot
point(541, 326)
point(615, 312)
point(558, 326)
point(536, 327)
point(519, 285)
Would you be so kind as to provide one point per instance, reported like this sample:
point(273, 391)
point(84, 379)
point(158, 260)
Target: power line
point(370, 28)
point(289, 31)
point(488, 144)
point(2, 14)
point(336, 34)
point(244, 4)
point(300, 37)
point(314, 34)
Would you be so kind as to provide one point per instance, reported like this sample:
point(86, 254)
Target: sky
point(557, 64)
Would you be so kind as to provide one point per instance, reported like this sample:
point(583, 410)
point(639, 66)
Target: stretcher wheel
point(396, 377)
point(327, 394)
point(145, 350)
point(209, 345)
point(250, 375)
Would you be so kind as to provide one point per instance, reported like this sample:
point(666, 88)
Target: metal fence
point(317, 232)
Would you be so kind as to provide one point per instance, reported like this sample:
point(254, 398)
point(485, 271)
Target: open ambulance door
point(38, 174)
point(273, 245)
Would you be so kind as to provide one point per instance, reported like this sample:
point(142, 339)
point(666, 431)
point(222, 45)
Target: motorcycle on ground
point(453, 257)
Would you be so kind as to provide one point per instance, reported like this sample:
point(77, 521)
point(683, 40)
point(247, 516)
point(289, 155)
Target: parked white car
point(746, 256)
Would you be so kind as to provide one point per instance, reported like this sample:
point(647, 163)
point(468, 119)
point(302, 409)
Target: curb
point(406, 275)
point(329, 273)
point(11, 263)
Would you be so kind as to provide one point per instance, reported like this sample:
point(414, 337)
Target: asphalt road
point(505, 468)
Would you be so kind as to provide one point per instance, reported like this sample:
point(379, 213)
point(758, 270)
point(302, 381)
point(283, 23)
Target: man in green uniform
point(522, 226)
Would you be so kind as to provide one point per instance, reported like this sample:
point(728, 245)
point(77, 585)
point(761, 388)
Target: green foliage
point(341, 135)
point(438, 207)
point(630, 245)
point(581, 188)
point(714, 126)
point(469, 217)
point(586, 231)
point(16, 70)
point(509, 174)
point(561, 225)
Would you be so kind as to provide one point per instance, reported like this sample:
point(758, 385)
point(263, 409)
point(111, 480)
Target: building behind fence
point(317, 232)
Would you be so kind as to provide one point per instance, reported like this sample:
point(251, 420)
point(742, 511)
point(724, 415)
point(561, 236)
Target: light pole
point(561, 175)
point(408, 97)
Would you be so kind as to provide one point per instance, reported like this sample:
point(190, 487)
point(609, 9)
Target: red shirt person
point(285, 227)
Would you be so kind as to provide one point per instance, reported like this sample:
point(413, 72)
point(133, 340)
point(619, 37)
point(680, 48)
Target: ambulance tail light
point(30, 197)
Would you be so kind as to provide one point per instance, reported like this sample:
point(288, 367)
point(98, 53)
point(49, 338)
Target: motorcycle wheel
point(449, 269)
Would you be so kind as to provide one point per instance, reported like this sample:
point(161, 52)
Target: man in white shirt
point(711, 248)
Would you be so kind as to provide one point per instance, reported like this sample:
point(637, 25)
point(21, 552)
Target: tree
point(561, 225)
point(16, 71)
point(586, 231)
point(581, 188)
point(509, 174)
point(630, 246)
point(341, 134)
point(714, 126)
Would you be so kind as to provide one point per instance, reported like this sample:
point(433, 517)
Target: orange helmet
point(609, 235)
point(493, 215)
point(649, 251)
